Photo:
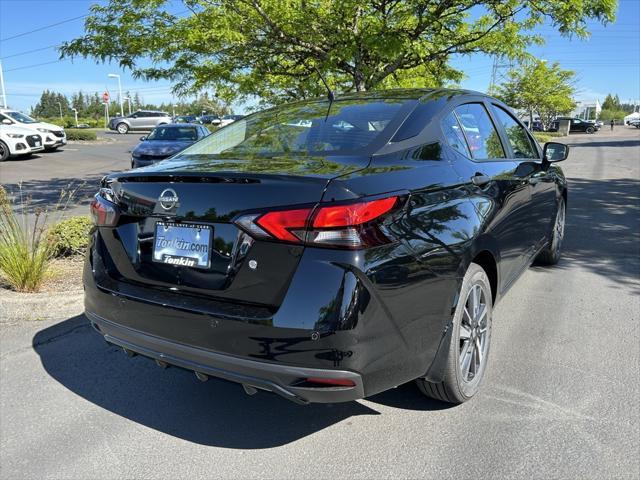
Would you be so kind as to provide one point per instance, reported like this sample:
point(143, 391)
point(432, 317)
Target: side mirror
point(143, 138)
point(555, 152)
point(6, 121)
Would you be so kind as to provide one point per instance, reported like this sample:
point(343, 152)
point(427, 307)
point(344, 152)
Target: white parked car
point(227, 119)
point(18, 141)
point(53, 136)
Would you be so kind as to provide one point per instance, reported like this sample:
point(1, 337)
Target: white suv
point(53, 136)
point(18, 141)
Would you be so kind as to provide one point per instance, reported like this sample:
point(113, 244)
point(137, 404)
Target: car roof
point(180, 125)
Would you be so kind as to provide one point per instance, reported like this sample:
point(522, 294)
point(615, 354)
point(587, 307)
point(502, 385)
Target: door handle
point(479, 179)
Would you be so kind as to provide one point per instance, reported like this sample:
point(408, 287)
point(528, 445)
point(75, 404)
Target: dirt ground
point(60, 296)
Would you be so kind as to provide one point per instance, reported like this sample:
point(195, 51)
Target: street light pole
point(128, 99)
point(75, 112)
point(60, 107)
point(4, 94)
point(113, 75)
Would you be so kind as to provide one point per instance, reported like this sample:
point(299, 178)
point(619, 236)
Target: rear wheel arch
point(488, 263)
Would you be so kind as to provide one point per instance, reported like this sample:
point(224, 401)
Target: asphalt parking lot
point(77, 165)
point(560, 399)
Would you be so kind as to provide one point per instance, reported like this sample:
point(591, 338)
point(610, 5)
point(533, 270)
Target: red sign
point(105, 97)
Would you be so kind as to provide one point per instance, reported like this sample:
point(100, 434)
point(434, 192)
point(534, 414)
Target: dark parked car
point(210, 119)
point(328, 251)
point(577, 125)
point(165, 141)
point(535, 127)
point(186, 119)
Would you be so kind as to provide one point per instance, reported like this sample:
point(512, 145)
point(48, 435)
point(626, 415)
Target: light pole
point(60, 107)
point(4, 94)
point(128, 99)
point(113, 75)
point(75, 112)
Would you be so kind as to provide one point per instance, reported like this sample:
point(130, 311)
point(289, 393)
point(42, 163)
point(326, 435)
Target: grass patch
point(25, 248)
point(81, 134)
point(544, 137)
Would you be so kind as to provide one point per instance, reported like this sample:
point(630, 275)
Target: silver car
point(140, 120)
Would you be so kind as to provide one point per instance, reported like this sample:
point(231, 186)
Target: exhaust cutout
point(130, 353)
point(249, 390)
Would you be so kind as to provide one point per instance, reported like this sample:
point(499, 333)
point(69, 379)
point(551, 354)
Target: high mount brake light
point(354, 225)
point(103, 212)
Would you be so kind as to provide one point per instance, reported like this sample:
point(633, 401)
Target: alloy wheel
point(473, 333)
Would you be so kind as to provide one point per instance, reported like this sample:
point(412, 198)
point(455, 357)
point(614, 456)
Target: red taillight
point(103, 212)
point(354, 225)
point(331, 382)
point(353, 214)
point(281, 224)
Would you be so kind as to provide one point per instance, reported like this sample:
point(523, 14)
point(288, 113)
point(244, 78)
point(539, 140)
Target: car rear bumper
point(279, 379)
point(347, 329)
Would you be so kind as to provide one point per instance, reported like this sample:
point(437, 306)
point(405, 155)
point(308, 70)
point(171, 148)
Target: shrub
point(79, 134)
point(24, 251)
point(70, 236)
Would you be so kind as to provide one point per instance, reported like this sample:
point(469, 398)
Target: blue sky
point(609, 62)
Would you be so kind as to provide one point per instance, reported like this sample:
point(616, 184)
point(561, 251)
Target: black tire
point(122, 128)
point(4, 151)
point(590, 130)
point(551, 254)
point(457, 386)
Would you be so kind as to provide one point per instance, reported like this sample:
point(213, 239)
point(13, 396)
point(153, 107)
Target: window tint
point(518, 138)
point(342, 126)
point(173, 133)
point(454, 136)
point(481, 135)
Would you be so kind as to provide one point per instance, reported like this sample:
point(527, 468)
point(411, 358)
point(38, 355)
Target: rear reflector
point(354, 225)
point(331, 382)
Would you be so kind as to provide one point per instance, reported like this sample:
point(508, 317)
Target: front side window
point(314, 127)
point(482, 137)
point(518, 137)
point(454, 136)
point(20, 117)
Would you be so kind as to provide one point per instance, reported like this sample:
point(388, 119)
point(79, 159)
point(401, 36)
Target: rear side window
point(517, 135)
point(482, 137)
point(454, 136)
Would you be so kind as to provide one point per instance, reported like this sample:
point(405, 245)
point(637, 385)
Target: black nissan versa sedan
point(329, 250)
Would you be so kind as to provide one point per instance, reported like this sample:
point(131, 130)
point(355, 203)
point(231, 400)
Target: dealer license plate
point(182, 244)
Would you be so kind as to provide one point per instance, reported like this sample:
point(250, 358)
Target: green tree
point(272, 48)
point(48, 106)
point(539, 88)
point(611, 102)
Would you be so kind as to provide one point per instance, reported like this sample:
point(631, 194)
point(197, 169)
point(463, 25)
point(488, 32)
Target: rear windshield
point(316, 127)
point(173, 133)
